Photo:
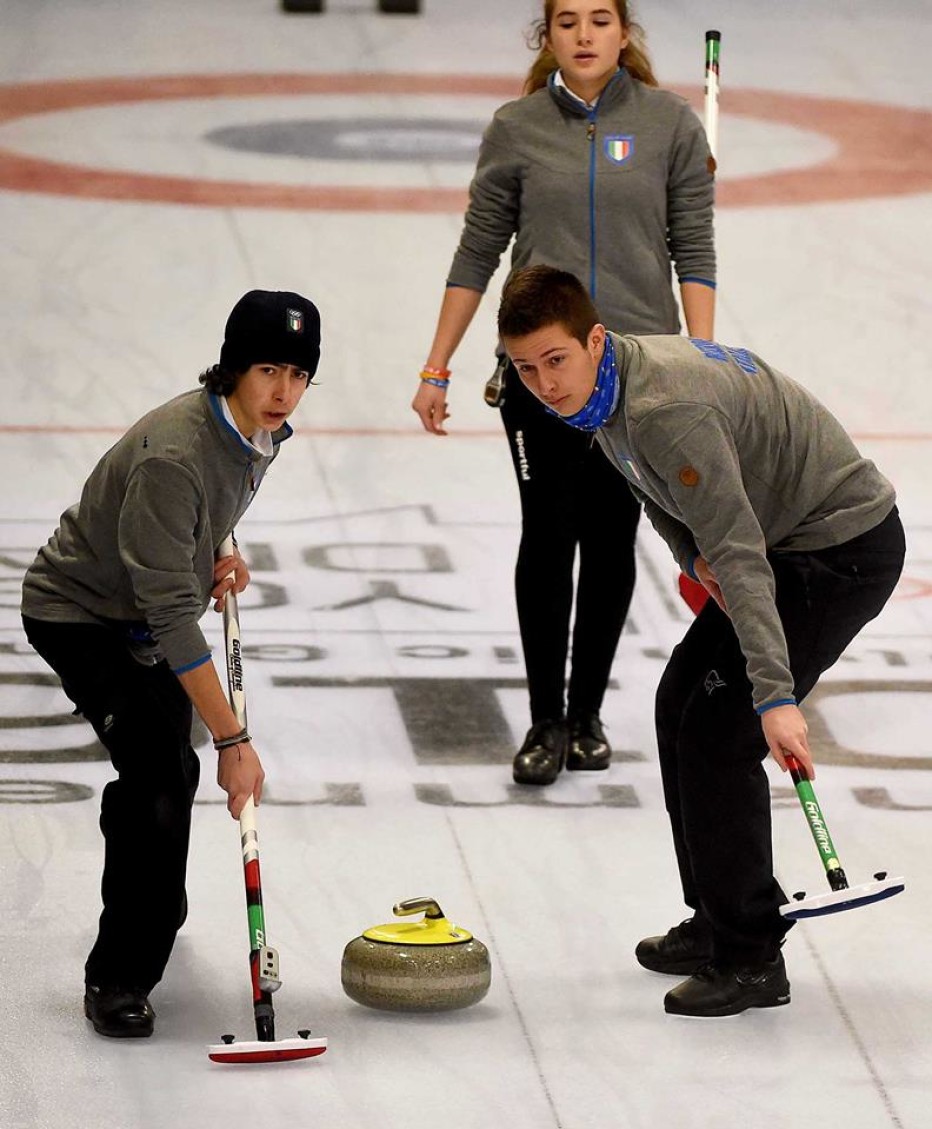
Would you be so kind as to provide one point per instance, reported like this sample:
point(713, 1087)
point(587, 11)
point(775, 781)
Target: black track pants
point(142, 716)
point(711, 744)
point(571, 496)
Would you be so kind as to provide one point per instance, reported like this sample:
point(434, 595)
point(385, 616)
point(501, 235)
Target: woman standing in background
point(599, 172)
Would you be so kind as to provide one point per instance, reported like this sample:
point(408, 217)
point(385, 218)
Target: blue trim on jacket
point(773, 705)
point(591, 118)
point(593, 114)
point(702, 281)
point(191, 666)
point(217, 409)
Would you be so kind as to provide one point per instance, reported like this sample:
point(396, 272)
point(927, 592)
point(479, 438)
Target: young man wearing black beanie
point(112, 603)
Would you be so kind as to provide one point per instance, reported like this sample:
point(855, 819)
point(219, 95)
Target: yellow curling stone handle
point(434, 929)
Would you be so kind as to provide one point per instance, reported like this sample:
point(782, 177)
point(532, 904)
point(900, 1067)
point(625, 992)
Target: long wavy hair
point(633, 58)
point(219, 380)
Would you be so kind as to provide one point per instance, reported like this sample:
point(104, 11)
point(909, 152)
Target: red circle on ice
point(880, 150)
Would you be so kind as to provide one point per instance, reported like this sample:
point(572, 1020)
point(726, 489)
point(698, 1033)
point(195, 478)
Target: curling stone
point(427, 965)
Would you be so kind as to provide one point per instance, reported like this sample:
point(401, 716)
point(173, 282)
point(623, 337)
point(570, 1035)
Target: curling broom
point(263, 960)
point(841, 895)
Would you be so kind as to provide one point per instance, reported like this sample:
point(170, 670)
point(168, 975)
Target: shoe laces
point(587, 724)
point(542, 733)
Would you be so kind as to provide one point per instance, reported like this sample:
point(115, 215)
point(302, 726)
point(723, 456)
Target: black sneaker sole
point(725, 1010)
point(109, 1033)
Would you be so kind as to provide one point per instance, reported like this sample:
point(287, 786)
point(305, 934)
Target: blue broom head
point(837, 901)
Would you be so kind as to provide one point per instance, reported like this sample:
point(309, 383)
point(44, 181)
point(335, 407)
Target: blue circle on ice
point(356, 139)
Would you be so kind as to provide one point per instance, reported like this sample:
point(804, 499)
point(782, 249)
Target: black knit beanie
point(274, 327)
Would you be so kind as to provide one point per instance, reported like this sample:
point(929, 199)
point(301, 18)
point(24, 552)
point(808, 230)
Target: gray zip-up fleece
point(611, 194)
point(139, 547)
point(733, 460)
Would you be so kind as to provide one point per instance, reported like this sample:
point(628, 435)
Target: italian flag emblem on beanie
point(295, 321)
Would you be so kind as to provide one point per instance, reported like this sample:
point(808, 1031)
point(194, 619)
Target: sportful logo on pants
point(524, 466)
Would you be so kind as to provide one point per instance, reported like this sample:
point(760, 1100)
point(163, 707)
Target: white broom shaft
point(234, 654)
point(693, 593)
point(712, 52)
point(236, 690)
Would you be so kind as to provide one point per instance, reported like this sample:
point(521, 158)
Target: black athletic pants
point(571, 496)
point(142, 716)
point(712, 747)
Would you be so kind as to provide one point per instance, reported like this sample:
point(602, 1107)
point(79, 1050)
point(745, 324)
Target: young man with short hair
point(112, 604)
point(761, 496)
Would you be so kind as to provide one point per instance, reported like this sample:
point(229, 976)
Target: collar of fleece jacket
point(617, 89)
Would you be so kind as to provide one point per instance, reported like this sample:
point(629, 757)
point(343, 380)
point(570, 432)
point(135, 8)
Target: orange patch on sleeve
point(689, 476)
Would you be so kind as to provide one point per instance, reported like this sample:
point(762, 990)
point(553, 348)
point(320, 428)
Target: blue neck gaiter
point(596, 410)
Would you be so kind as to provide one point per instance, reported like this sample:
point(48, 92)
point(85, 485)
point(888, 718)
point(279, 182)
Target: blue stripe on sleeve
point(191, 666)
point(773, 705)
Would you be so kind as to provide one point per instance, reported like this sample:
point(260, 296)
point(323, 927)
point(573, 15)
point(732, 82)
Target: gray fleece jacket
point(733, 460)
point(611, 194)
point(137, 552)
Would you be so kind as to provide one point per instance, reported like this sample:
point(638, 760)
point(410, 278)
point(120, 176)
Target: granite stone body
point(416, 977)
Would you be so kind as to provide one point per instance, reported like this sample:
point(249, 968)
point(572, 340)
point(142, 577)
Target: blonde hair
point(633, 58)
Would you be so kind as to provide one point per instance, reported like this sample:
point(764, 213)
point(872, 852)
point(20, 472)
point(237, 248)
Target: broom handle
point(713, 43)
point(249, 837)
point(817, 825)
point(693, 592)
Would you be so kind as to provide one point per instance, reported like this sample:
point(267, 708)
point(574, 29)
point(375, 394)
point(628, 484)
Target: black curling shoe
point(682, 950)
point(121, 1013)
point(717, 990)
point(589, 750)
point(542, 755)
